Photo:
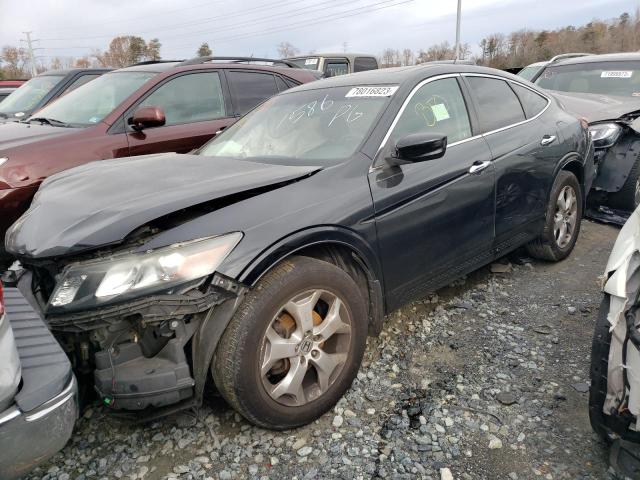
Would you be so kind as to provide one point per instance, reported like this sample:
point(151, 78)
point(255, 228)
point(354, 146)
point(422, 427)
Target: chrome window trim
point(526, 120)
point(406, 102)
point(474, 137)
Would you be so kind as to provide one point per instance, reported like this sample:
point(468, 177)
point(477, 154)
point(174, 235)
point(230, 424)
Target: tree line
point(499, 50)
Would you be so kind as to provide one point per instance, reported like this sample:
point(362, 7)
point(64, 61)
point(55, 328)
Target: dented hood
point(596, 107)
point(100, 203)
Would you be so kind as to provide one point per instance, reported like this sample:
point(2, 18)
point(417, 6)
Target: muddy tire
point(628, 198)
point(562, 222)
point(599, 371)
point(294, 346)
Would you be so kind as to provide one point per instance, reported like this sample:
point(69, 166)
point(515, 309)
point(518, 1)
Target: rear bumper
point(29, 438)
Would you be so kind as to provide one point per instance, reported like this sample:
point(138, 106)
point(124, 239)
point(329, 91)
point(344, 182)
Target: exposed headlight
point(605, 135)
point(102, 281)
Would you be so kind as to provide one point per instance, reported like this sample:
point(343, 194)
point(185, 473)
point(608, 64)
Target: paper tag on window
point(371, 92)
point(616, 74)
point(311, 61)
point(440, 112)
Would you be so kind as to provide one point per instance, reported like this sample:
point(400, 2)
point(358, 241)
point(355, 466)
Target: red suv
point(147, 108)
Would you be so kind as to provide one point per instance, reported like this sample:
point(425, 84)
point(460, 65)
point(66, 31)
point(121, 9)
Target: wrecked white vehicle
point(614, 402)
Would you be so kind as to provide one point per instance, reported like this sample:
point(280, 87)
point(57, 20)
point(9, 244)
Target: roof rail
point(151, 62)
point(568, 55)
point(199, 60)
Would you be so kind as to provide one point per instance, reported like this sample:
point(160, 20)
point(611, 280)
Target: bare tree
point(407, 57)
point(83, 62)
point(14, 60)
point(286, 49)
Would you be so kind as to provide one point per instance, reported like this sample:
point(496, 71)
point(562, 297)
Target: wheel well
point(348, 260)
point(576, 168)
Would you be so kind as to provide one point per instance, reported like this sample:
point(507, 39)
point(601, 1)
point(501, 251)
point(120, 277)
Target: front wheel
point(562, 223)
point(294, 346)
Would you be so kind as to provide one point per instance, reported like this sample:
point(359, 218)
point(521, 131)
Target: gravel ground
point(486, 379)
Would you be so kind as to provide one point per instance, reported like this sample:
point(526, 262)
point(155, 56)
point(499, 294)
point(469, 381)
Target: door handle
point(547, 140)
point(477, 167)
point(219, 131)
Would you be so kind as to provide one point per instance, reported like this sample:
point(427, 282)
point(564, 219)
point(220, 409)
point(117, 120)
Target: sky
point(76, 28)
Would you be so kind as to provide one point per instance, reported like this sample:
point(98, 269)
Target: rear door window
point(334, 68)
point(194, 97)
point(498, 105)
point(249, 89)
point(532, 102)
point(362, 64)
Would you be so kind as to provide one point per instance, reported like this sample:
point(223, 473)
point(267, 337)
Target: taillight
point(1, 300)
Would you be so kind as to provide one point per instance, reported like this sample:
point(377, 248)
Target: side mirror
point(146, 117)
point(419, 147)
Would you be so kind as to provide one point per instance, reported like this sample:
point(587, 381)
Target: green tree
point(152, 51)
point(204, 50)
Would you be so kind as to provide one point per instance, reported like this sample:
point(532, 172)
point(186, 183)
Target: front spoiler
point(29, 438)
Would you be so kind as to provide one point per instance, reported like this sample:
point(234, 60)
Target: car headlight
point(605, 135)
point(104, 281)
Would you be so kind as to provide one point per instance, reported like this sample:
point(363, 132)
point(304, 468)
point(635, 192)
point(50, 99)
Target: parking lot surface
point(488, 378)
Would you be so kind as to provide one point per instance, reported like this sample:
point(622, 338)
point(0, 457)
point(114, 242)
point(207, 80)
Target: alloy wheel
point(305, 347)
point(566, 216)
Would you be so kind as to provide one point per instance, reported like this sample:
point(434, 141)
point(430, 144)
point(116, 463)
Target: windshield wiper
point(49, 121)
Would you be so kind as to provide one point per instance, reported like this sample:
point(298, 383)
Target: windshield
point(317, 126)
point(27, 97)
point(528, 72)
point(310, 63)
point(607, 78)
point(90, 103)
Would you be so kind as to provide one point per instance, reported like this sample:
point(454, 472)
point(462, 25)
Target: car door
point(195, 110)
point(522, 151)
point(250, 88)
point(434, 218)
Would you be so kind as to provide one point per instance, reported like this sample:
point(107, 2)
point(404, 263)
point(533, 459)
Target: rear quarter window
point(532, 102)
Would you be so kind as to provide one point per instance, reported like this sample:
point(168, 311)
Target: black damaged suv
point(263, 260)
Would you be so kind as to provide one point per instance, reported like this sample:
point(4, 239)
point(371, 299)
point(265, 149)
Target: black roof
point(67, 71)
point(400, 75)
point(150, 67)
point(606, 57)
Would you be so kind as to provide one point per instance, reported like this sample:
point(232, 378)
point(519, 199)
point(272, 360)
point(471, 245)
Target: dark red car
point(143, 109)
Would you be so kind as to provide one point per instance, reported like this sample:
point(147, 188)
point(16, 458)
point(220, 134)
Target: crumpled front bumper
point(29, 438)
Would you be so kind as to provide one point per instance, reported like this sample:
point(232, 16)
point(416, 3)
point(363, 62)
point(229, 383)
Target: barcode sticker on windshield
point(616, 74)
point(311, 61)
point(371, 92)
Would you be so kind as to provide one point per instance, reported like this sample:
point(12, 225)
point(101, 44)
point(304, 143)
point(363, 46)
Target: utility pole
point(458, 30)
point(32, 57)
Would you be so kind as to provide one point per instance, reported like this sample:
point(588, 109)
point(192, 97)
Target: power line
point(32, 57)
point(264, 6)
point(300, 24)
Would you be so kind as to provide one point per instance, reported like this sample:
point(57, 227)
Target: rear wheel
point(628, 198)
point(294, 346)
point(562, 224)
